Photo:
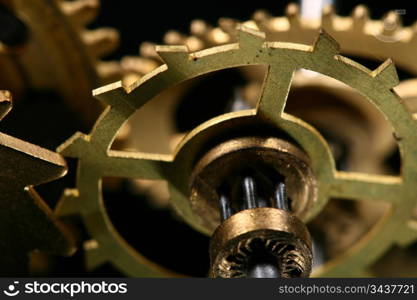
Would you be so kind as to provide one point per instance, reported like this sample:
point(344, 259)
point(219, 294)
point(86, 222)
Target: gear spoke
point(275, 90)
point(136, 165)
point(359, 186)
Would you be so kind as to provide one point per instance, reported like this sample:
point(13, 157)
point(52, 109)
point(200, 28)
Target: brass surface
point(27, 223)
point(96, 160)
point(282, 234)
point(231, 157)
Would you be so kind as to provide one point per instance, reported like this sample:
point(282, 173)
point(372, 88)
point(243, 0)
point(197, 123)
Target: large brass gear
point(358, 36)
point(353, 32)
point(97, 160)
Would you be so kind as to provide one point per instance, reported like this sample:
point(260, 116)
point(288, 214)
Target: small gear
point(96, 160)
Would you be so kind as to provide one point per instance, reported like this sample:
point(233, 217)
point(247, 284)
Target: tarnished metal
point(97, 160)
point(27, 223)
point(274, 232)
point(229, 158)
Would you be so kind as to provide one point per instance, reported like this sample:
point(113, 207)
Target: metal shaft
point(249, 193)
point(225, 209)
point(281, 200)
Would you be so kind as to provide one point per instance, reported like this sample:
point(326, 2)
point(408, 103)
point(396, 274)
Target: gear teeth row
point(174, 56)
point(98, 42)
point(203, 35)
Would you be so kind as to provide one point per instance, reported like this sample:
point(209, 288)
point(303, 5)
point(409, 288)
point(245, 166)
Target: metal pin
point(281, 200)
point(225, 209)
point(264, 270)
point(249, 193)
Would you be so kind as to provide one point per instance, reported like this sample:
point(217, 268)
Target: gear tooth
point(327, 16)
point(250, 38)
point(360, 16)
point(325, 43)
point(94, 256)
point(147, 50)
point(292, 11)
point(114, 94)
point(218, 37)
point(391, 23)
point(173, 37)
point(80, 12)
point(261, 16)
point(109, 71)
point(199, 28)
point(228, 25)
point(101, 41)
point(408, 235)
point(252, 25)
point(138, 65)
point(387, 73)
point(173, 55)
point(194, 44)
point(5, 103)
point(74, 145)
point(360, 12)
point(67, 205)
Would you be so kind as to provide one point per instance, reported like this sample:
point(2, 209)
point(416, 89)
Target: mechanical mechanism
point(284, 162)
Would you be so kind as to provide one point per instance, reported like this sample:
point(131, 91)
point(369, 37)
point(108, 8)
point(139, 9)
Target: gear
point(96, 160)
point(353, 33)
point(25, 165)
point(358, 35)
point(65, 59)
